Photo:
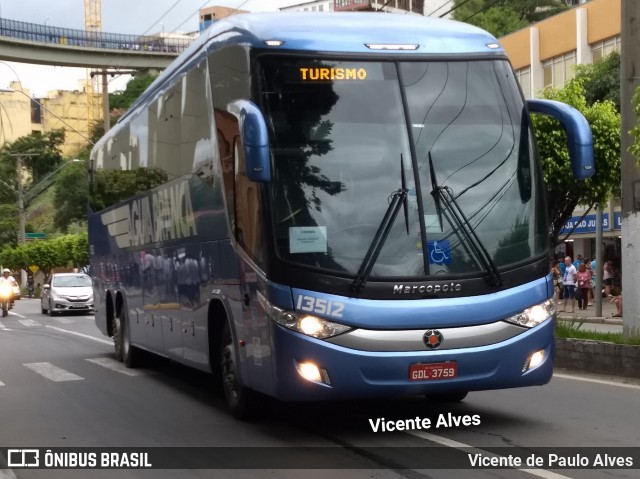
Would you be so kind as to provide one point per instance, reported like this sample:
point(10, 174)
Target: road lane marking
point(7, 474)
point(2, 326)
point(116, 366)
point(64, 320)
point(86, 336)
point(597, 381)
point(53, 373)
point(1, 384)
point(465, 448)
point(30, 323)
point(16, 314)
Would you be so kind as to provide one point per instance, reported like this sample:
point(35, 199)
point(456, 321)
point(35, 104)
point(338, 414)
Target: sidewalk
point(589, 315)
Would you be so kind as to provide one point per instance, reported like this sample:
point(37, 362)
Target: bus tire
point(448, 397)
point(129, 352)
point(117, 336)
point(240, 399)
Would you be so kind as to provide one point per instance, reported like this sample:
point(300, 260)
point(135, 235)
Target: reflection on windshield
point(338, 130)
point(71, 281)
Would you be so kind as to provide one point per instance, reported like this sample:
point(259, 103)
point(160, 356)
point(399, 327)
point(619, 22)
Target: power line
point(440, 7)
point(161, 17)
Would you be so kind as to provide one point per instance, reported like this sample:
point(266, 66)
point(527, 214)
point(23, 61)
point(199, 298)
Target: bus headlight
point(534, 315)
point(306, 324)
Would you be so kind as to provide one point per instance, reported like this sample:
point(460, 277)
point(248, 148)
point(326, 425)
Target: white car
point(67, 292)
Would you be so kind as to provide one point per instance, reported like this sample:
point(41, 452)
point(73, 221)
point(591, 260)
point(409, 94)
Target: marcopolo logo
point(430, 288)
point(433, 339)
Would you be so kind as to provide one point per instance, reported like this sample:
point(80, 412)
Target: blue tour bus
point(345, 205)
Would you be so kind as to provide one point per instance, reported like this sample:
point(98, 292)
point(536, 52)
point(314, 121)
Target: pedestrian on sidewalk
point(569, 283)
point(583, 278)
point(617, 300)
point(557, 279)
point(607, 277)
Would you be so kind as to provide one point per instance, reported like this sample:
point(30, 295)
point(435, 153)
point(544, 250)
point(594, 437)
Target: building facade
point(60, 109)
point(17, 113)
point(545, 55)
point(421, 7)
point(209, 15)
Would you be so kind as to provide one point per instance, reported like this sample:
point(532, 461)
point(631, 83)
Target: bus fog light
point(310, 372)
point(313, 373)
point(534, 360)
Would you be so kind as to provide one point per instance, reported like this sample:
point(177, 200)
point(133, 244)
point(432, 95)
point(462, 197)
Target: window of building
point(559, 70)
point(603, 48)
point(524, 79)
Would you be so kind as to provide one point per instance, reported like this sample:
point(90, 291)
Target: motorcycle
point(6, 297)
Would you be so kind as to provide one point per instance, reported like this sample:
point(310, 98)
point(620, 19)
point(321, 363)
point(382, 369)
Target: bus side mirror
point(579, 139)
point(255, 139)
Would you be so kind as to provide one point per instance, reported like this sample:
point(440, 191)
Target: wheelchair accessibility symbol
point(439, 252)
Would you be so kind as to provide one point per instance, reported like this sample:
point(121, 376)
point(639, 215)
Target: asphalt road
point(60, 387)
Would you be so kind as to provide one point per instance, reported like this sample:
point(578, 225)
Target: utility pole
point(629, 81)
point(21, 211)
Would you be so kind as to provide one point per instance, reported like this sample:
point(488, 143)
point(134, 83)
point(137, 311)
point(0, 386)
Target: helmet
point(6, 270)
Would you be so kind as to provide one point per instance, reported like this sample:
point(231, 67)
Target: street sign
point(33, 268)
point(34, 236)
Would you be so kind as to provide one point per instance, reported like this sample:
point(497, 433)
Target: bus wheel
point(448, 397)
point(239, 398)
point(117, 337)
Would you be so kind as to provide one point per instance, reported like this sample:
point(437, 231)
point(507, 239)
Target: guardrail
point(86, 39)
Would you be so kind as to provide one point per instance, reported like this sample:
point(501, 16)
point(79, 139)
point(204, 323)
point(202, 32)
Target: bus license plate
point(431, 371)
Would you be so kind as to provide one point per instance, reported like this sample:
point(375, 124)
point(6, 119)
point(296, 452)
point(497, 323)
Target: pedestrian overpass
point(48, 45)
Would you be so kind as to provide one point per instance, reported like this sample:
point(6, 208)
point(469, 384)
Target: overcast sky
point(118, 16)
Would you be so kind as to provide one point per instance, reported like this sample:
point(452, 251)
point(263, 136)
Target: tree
point(501, 17)
point(564, 192)
point(71, 196)
point(601, 80)
point(135, 87)
point(64, 251)
point(9, 224)
point(47, 158)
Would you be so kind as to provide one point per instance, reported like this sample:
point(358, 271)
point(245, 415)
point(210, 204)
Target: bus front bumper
point(349, 373)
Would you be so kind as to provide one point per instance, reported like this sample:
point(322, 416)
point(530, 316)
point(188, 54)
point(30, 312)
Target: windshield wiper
point(398, 198)
point(434, 191)
point(457, 218)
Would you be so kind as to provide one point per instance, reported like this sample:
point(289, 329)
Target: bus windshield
point(348, 137)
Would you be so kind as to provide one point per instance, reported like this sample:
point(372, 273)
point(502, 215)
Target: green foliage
point(601, 81)
point(571, 329)
point(112, 186)
point(9, 224)
point(71, 196)
point(64, 251)
point(46, 146)
point(564, 192)
point(503, 17)
point(135, 87)
point(634, 149)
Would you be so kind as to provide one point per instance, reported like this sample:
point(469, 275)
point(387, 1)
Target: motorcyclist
point(7, 278)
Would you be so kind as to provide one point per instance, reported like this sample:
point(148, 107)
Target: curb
point(598, 357)
point(592, 319)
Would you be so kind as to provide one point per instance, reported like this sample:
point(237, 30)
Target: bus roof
point(349, 32)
